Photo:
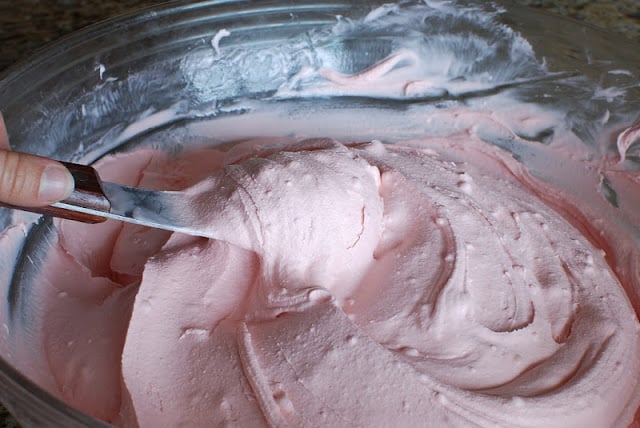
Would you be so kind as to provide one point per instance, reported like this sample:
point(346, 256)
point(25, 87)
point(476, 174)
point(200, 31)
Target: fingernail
point(56, 184)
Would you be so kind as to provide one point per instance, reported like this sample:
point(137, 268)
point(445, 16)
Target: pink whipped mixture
point(353, 285)
point(434, 280)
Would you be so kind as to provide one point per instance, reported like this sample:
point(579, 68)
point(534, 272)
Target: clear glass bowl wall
point(76, 99)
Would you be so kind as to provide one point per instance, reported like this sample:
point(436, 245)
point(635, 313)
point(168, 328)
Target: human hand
point(28, 180)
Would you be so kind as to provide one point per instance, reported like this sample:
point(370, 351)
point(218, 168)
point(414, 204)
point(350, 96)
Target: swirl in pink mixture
point(352, 285)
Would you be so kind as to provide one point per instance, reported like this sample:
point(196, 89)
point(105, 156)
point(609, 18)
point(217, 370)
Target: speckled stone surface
point(28, 25)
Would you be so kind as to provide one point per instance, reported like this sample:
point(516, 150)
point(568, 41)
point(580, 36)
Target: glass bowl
point(182, 74)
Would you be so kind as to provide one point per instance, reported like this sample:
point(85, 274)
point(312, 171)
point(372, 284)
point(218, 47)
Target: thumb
point(31, 181)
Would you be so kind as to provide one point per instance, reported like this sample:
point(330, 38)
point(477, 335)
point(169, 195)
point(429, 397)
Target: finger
point(4, 138)
point(31, 181)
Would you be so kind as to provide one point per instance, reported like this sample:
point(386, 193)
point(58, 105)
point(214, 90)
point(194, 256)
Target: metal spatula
point(94, 201)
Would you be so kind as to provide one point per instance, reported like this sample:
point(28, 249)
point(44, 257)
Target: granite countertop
point(28, 25)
